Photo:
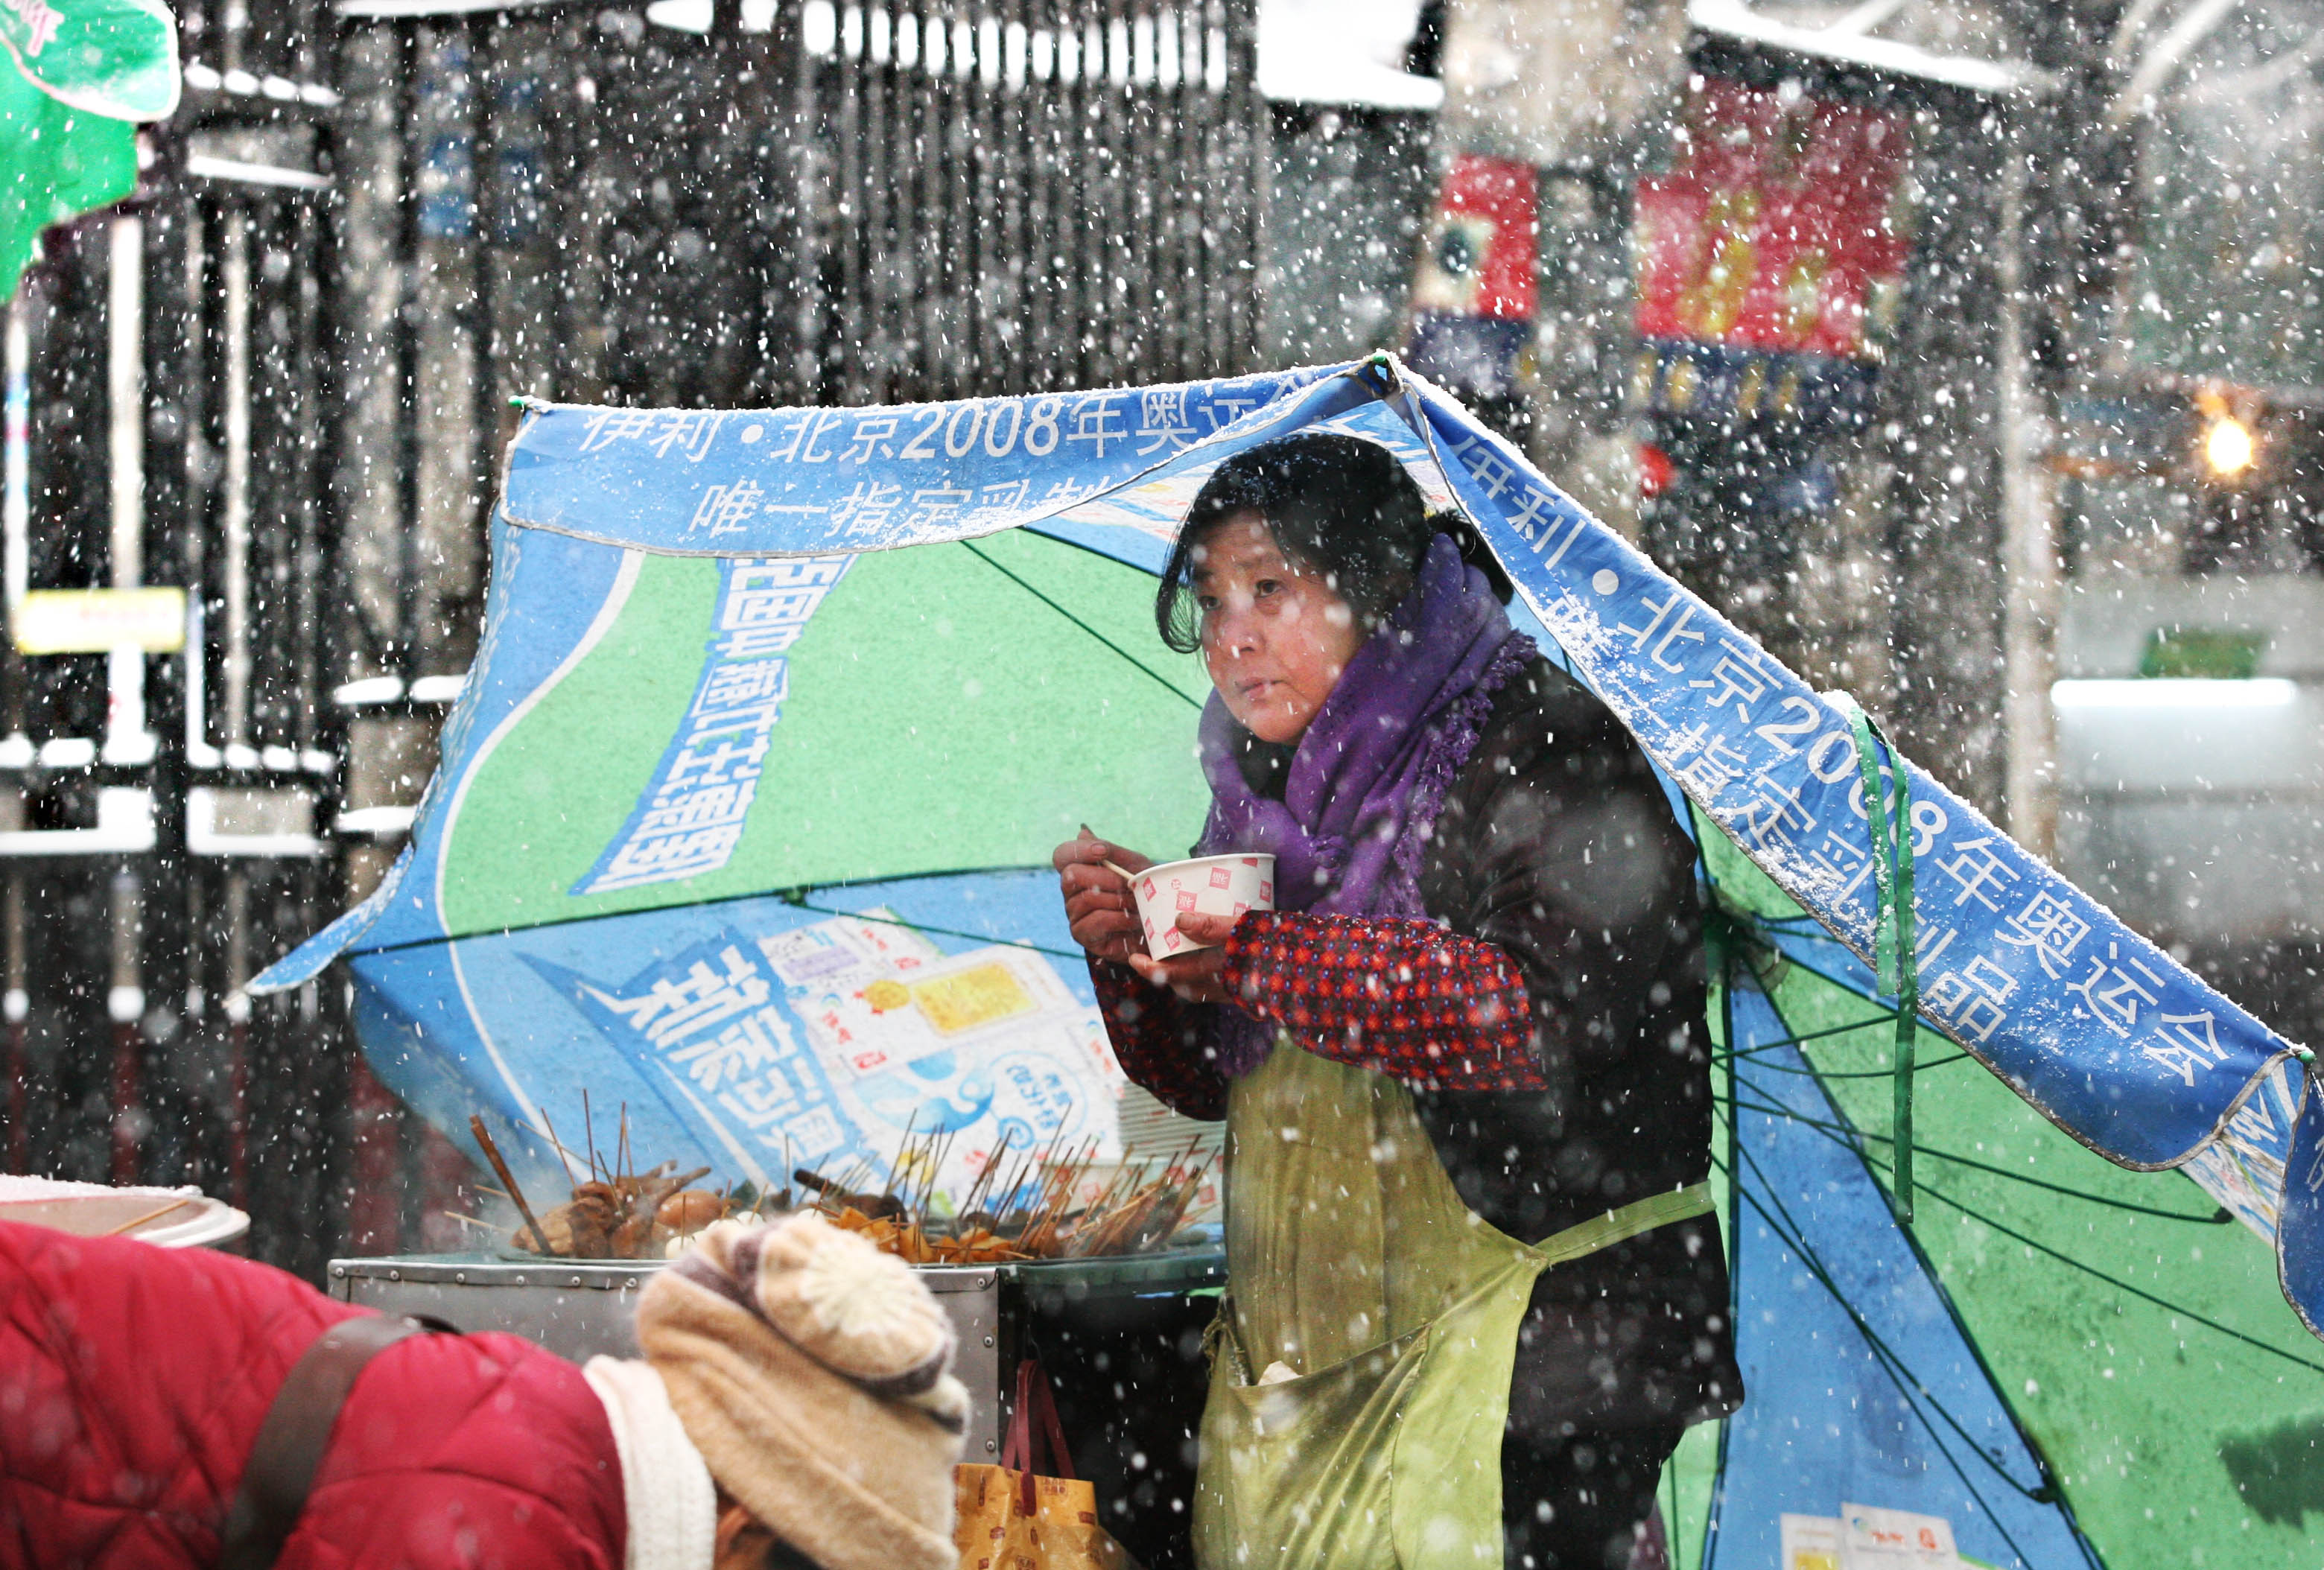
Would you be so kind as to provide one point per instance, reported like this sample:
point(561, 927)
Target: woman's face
point(1275, 635)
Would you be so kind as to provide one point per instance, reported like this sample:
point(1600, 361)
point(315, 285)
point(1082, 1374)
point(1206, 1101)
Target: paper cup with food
point(1203, 886)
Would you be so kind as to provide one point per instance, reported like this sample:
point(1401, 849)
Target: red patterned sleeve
point(1401, 996)
point(1161, 1041)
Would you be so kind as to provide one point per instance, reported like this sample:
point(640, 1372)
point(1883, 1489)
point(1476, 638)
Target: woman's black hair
point(1339, 505)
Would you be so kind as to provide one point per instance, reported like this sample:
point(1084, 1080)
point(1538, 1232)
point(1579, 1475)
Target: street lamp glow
point(2227, 447)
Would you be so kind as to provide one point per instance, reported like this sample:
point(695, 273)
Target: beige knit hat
point(812, 1371)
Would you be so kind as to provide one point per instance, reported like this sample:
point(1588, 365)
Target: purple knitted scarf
point(1371, 772)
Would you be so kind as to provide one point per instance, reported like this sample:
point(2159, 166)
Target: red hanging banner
point(1778, 226)
point(1474, 293)
point(1479, 260)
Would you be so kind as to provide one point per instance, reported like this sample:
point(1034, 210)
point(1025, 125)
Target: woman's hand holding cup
point(1101, 912)
point(1099, 909)
point(1199, 976)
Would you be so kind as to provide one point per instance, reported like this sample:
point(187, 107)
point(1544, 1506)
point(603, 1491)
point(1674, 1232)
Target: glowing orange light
point(2227, 447)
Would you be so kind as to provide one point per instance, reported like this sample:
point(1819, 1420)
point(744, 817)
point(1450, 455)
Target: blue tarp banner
point(1858, 1370)
point(2106, 1035)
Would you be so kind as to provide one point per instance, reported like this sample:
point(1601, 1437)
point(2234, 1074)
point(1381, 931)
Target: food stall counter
point(579, 1308)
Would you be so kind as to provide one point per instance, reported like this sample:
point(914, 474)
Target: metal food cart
point(1121, 1337)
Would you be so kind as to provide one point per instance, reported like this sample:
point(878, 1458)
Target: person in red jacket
point(163, 1410)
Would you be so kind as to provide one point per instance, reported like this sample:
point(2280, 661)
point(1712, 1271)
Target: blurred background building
point(1968, 355)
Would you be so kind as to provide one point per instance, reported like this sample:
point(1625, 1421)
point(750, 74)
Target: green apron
point(1353, 1261)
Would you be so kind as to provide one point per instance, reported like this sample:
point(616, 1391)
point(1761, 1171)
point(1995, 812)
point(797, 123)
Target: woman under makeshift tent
point(174, 1410)
point(1472, 1029)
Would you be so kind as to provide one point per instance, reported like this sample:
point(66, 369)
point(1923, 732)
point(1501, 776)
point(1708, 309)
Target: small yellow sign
point(96, 621)
point(967, 999)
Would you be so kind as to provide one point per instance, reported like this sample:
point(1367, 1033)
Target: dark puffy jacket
point(1556, 843)
point(133, 1379)
point(1556, 846)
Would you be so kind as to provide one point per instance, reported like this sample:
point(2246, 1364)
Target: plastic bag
point(1014, 1516)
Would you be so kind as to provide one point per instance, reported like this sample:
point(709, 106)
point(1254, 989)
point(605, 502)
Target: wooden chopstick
point(493, 1154)
point(149, 1216)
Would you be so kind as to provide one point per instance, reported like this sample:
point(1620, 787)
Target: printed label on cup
point(1225, 886)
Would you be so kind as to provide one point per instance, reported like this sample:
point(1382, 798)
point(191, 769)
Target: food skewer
point(895, 1165)
point(1027, 1170)
point(976, 1190)
point(557, 1144)
point(859, 1172)
point(1040, 1237)
point(935, 1158)
point(1027, 1201)
point(662, 1188)
point(877, 1207)
point(1185, 1156)
point(493, 1154)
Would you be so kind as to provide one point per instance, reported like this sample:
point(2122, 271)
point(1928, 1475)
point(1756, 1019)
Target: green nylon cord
point(2220, 1217)
point(1847, 1137)
point(1777, 1043)
point(1889, 812)
point(1918, 1068)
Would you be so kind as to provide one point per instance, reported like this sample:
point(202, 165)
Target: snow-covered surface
point(1938, 41)
point(1322, 75)
point(1341, 51)
point(1353, 51)
point(1310, 52)
point(16, 1190)
point(190, 1218)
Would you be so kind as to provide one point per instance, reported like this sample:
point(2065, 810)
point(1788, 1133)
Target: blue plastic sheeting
point(822, 480)
point(551, 596)
point(506, 1025)
point(1860, 1384)
point(2300, 1237)
point(2092, 1024)
point(2111, 1038)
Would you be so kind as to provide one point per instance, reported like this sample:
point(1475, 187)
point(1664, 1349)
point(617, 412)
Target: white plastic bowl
point(1205, 885)
point(92, 1210)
